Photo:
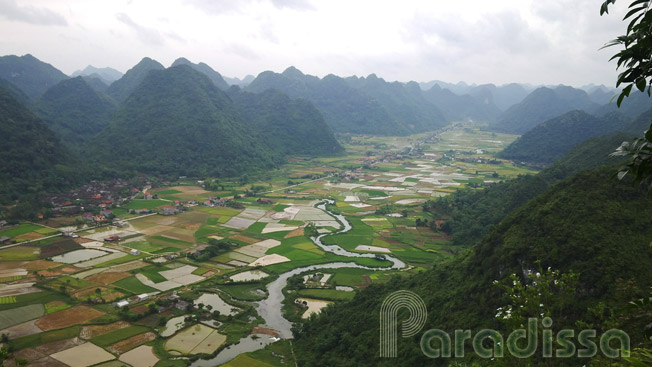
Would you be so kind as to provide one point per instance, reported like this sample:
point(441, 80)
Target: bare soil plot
point(20, 315)
point(314, 306)
point(107, 277)
point(191, 226)
point(132, 265)
point(164, 221)
point(30, 354)
point(244, 239)
point(89, 332)
point(142, 356)
point(30, 236)
point(47, 362)
point(189, 191)
point(128, 344)
point(8, 265)
point(58, 346)
point(72, 316)
point(17, 289)
point(58, 247)
point(41, 265)
point(109, 294)
point(6, 273)
point(296, 233)
point(24, 329)
point(61, 271)
point(180, 234)
point(83, 355)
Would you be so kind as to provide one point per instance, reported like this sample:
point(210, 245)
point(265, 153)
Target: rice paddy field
point(59, 292)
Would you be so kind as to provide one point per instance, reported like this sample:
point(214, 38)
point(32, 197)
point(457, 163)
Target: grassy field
point(19, 253)
point(133, 285)
point(45, 337)
point(21, 229)
point(69, 282)
point(152, 272)
point(19, 315)
point(142, 246)
point(118, 335)
point(145, 204)
point(43, 297)
point(245, 292)
point(327, 294)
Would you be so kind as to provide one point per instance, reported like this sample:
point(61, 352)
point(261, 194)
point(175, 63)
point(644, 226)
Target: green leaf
point(641, 84)
point(634, 11)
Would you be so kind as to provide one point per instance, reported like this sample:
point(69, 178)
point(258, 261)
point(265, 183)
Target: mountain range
point(125, 121)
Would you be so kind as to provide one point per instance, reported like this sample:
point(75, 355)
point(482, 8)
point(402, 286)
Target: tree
point(635, 58)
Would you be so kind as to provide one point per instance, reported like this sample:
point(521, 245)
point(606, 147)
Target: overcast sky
point(477, 41)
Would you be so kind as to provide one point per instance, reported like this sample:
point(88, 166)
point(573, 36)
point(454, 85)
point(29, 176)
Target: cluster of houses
point(214, 201)
point(132, 300)
point(174, 301)
point(93, 195)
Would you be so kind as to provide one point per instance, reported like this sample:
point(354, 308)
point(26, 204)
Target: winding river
point(270, 308)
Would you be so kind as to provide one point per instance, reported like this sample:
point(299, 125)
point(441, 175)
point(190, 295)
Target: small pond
point(76, 256)
point(217, 304)
point(249, 275)
point(172, 326)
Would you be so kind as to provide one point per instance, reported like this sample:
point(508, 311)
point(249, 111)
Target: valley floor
point(154, 289)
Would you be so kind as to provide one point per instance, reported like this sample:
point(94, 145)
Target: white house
point(134, 252)
point(122, 304)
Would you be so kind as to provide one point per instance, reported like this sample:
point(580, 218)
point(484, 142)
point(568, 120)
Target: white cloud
point(9, 9)
point(553, 41)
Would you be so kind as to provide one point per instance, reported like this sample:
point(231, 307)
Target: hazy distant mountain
point(632, 106)
point(358, 105)
point(29, 74)
point(461, 108)
point(541, 105)
point(74, 110)
point(107, 75)
point(599, 93)
point(123, 87)
point(460, 88)
point(502, 97)
point(178, 122)
point(213, 75)
point(33, 159)
point(241, 83)
point(403, 101)
point(96, 83)
point(288, 126)
point(640, 124)
point(551, 139)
